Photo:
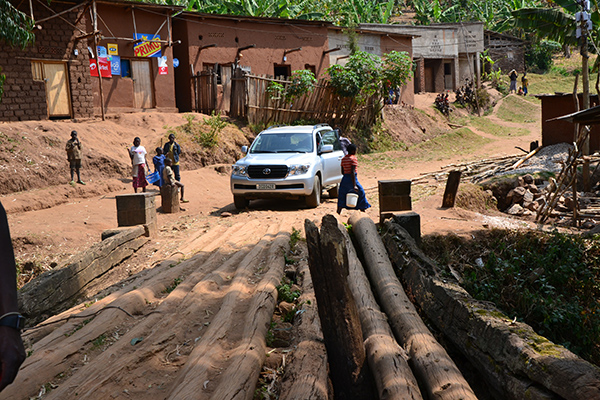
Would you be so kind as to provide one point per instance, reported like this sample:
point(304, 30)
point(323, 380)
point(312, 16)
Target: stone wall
point(24, 98)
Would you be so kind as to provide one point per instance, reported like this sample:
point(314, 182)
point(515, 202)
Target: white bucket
point(351, 200)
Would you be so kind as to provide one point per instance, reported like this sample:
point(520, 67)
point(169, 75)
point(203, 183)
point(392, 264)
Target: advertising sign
point(104, 67)
point(162, 65)
point(148, 47)
point(175, 62)
point(101, 51)
point(115, 65)
point(113, 49)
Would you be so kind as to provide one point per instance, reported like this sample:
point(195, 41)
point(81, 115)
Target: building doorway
point(57, 90)
point(142, 84)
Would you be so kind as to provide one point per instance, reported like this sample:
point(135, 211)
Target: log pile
point(514, 361)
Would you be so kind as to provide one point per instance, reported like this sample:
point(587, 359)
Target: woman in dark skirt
point(349, 183)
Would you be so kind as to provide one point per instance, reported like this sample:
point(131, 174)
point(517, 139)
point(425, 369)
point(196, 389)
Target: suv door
point(332, 173)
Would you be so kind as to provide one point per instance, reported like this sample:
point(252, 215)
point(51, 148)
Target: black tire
point(334, 191)
point(314, 199)
point(240, 202)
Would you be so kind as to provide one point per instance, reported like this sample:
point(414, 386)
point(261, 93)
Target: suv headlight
point(299, 169)
point(238, 170)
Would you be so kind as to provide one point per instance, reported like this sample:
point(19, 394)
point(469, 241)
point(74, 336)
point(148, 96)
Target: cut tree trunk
point(328, 263)
point(388, 361)
point(439, 377)
point(514, 361)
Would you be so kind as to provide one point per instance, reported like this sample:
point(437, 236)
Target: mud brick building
point(507, 52)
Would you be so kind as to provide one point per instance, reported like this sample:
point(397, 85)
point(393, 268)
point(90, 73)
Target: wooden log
point(512, 359)
point(439, 377)
point(451, 189)
point(388, 361)
point(328, 263)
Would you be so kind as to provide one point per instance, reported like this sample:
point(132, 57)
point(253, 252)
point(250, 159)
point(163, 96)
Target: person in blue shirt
point(159, 164)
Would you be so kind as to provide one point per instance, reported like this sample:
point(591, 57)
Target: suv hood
point(277, 158)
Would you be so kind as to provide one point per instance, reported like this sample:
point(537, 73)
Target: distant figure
point(137, 153)
point(172, 150)
point(344, 142)
point(513, 81)
point(524, 83)
point(159, 164)
point(349, 183)
point(169, 178)
point(12, 352)
point(74, 148)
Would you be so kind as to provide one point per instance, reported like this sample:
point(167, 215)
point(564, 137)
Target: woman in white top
point(137, 153)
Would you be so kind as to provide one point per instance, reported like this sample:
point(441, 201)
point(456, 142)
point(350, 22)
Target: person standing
point(159, 164)
point(513, 81)
point(12, 351)
point(349, 183)
point(137, 153)
point(74, 148)
point(172, 150)
point(524, 83)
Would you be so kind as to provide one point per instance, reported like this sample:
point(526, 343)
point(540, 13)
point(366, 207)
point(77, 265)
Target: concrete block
point(409, 220)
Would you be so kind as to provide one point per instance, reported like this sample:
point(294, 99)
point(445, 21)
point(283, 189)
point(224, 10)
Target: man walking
point(172, 150)
point(74, 156)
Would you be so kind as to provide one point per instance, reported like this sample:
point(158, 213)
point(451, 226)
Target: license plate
point(265, 186)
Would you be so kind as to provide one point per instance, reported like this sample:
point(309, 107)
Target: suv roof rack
point(320, 125)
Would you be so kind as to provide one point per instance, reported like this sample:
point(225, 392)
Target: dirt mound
point(410, 125)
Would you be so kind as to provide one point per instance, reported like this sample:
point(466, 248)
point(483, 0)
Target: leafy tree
point(539, 58)
point(16, 28)
point(366, 75)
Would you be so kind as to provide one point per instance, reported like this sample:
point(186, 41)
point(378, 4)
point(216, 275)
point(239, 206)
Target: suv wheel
point(314, 199)
point(240, 202)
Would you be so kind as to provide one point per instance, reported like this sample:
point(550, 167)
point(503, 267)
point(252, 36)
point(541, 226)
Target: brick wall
point(24, 98)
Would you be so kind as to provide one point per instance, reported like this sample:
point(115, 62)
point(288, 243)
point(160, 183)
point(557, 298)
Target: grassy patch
point(485, 125)
point(460, 141)
point(284, 293)
point(175, 283)
point(550, 281)
point(515, 109)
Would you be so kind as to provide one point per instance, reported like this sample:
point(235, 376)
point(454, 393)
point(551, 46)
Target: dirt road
point(194, 305)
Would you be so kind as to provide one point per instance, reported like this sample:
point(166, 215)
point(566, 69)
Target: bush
point(538, 58)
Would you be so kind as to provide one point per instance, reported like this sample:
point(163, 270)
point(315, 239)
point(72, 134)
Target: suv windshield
point(283, 143)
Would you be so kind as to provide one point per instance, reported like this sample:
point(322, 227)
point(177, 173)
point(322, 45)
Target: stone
point(515, 209)
point(528, 178)
point(527, 197)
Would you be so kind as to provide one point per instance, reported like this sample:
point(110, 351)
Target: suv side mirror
point(244, 149)
point(326, 148)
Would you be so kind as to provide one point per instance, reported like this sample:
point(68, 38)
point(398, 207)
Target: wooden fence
point(246, 96)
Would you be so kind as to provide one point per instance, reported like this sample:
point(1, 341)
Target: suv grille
point(267, 171)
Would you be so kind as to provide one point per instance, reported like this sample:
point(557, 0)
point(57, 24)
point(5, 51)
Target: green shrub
point(538, 58)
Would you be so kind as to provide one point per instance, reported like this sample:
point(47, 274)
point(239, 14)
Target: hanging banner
point(104, 67)
point(162, 66)
point(149, 47)
point(101, 50)
point(113, 49)
point(115, 65)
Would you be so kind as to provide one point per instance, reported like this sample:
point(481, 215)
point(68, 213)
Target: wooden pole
point(97, 61)
point(451, 189)
point(328, 263)
point(586, 101)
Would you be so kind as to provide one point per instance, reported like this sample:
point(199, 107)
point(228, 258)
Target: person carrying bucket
point(351, 194)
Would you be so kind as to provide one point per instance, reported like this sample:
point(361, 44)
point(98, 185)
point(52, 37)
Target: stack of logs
point(379, 347)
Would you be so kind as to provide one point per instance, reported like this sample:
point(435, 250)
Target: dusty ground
point(65, 220)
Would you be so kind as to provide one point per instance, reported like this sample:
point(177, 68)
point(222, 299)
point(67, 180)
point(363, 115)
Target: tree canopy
point(16, 27)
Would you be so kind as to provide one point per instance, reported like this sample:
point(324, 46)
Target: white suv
point(289, 162)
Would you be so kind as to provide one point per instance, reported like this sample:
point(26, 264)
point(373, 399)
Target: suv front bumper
point(272, 188)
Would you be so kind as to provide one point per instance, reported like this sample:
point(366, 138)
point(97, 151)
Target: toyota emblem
point(266, 171)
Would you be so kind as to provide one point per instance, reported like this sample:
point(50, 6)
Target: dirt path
point(195, 303)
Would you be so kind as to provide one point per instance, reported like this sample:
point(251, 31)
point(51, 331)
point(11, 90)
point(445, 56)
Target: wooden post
point(328, 263)
point(451, 189)
point(97, 61)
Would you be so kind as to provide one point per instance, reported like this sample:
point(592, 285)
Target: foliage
point(16, 27)
point(211, 138)
point(550, 281)
point(284, 293)
point(174, 285)
point(538, 58)
point(295, 237)
point(366, 75)
point(301, 82)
